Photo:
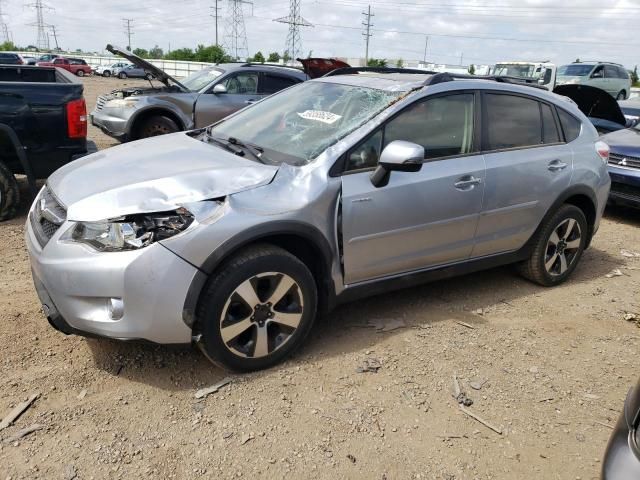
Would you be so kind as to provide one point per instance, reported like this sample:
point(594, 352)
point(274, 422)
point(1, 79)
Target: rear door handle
point(467, 182)
point(556, 166)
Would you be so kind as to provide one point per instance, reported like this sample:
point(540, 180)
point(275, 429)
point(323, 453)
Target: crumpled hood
point(153, 175)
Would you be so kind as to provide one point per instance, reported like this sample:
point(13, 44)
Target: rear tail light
point(602, 150)
point(77, 119)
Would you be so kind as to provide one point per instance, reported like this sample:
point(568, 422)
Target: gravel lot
point(553, 367)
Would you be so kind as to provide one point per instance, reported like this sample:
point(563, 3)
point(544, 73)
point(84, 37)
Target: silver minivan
point(613, 78)
point(235, 236)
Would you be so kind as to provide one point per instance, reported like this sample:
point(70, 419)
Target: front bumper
point(110, 123)
point(625, 185)
point(79, 287)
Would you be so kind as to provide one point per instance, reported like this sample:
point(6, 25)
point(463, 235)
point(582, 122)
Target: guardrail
point(175, 68)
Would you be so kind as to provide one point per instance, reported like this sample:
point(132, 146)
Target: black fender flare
point(309, 233)
point(22, 156)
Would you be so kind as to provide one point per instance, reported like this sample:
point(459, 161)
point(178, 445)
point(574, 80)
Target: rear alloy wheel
point(257, 309)
point(158, 125)
point(80, 73)
point(558, 247)
point(9, 194)
point(621, 95)
point(106, 73)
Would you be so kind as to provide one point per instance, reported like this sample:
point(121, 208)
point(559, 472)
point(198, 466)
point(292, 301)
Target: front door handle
point(556, 166)
point(468, 182)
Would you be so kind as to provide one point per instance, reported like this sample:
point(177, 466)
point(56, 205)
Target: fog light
point(116, 308)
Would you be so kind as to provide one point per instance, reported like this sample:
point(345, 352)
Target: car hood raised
point(158, 73)
point(593, 102)
point(153, 175)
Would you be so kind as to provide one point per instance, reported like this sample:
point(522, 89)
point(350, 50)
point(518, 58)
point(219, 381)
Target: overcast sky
point(483, 31)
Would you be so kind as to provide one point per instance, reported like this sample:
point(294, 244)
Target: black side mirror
point(398, 156)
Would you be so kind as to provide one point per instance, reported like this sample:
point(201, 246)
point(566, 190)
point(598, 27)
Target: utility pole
point(216, 15)
point(43, 39)
point(55, 36)
point(368, 33)
point(127, 26)
point(4, 30)
point(293, 47)
point(235, 40)
point(461, 56)
point(426, 46)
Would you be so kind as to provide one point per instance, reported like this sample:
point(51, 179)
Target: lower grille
point(624, 161)
point(47, 217)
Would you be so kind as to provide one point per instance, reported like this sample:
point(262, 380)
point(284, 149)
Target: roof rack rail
point(259, 64)
point(600, 61)
point(449, 77)
point(352, 70)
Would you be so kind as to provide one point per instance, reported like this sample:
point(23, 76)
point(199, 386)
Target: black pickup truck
point(43, 125)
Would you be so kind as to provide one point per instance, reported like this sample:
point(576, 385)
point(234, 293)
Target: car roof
point(397, 82)
point(262, 67)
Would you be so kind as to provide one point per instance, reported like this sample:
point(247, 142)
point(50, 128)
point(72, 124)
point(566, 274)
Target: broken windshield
point(298, 124)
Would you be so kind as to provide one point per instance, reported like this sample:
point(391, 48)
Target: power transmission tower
point(235, 41)
point(43, 39)
point(55, 36)
point(127, 26)
point(368, 33)
point(216, 15)
point(4, 30)
point(293, 47)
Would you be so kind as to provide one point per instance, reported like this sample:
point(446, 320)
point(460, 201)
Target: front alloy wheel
point(256, 309)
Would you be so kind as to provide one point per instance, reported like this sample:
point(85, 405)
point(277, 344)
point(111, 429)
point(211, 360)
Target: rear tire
point(9, 194)
point(557, 247)
point(621, 95)
point(106, 73)
point(257, 309)
point(122, 75)
point(80, 73)
point(157, 125)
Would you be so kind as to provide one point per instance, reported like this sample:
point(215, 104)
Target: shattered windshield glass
point(197, 81)
point(298, 124)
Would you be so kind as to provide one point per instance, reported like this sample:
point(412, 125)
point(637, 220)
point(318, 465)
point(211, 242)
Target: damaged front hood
point(158, 73)
point(154, 175)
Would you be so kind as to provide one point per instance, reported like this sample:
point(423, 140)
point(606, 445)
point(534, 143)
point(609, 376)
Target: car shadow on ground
point(622, 214)
point(349, 328)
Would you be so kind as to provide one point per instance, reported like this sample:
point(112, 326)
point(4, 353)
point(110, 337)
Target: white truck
point(544, 73)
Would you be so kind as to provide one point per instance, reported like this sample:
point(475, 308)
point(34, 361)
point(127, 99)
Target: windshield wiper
point(254, 150)
point(226, 145)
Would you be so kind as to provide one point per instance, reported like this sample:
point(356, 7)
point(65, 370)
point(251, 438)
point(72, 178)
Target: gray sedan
point(131, 71)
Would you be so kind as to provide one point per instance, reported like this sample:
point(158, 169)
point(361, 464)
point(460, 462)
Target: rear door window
point(510, 121)
point(274, 83)
point(550, 133)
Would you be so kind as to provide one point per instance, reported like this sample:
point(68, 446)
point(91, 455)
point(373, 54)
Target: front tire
point(122, 75)
point(157, 125)
point(80, 73)
point(621, 95)
point(257, 309)
point(106, 73)
point(9, 194)
point(557, 247)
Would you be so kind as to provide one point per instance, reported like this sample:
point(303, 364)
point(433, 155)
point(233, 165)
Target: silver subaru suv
point(236, 236)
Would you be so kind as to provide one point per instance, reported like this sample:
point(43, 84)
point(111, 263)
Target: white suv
point(610, 77)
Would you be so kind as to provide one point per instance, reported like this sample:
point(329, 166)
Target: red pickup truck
point(76, 66)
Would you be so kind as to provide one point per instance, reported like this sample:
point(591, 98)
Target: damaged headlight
point(131, 232)
point(122, 102)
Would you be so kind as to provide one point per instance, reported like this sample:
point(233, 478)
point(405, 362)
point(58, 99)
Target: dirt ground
point(552, 367)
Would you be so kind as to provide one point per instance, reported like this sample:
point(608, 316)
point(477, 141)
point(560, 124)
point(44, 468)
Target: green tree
point(156, 52)
point(634, 75)
point(8, 46)
point(577, 60)
point(258, 58)
point(377, 62)
point(400, 63)
point(274, 57)
point(181, 54)
point(286, 57)
point(211, 54)
point(472, 69)
point(141, 52)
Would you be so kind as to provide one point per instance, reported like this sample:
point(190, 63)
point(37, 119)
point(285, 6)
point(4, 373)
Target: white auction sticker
point(320, 116)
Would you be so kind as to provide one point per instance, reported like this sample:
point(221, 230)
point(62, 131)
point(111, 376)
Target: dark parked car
point(10, 59)
point(43, 125)
point(622, 458)
point(624, 165)
point(196, 101)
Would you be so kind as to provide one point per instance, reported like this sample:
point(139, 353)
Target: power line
point(235, 32)
point(127, 26)
point(43, 39)
point(368, 33)
point(293, 47)
point(216, 15)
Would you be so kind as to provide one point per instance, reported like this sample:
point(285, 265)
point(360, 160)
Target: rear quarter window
point(570, 125)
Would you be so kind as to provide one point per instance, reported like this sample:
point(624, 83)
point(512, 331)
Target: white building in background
point(419, 64)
